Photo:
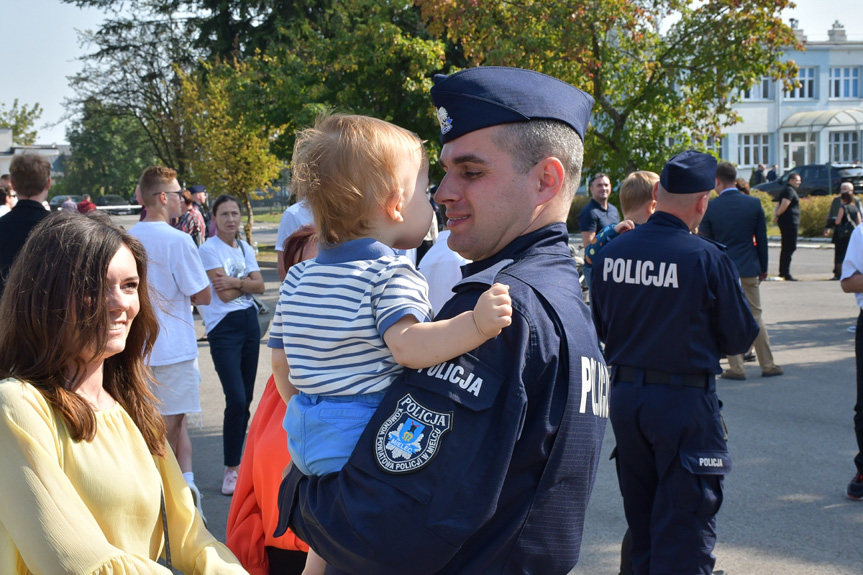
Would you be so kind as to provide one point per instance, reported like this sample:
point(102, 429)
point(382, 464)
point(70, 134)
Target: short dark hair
point(528, 143)
point(223, 199)
point(596, 176)
point(5, 192)
point(30, 174)
point(726, 172)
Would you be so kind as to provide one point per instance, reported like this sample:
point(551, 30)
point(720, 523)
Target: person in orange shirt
point(254, 510)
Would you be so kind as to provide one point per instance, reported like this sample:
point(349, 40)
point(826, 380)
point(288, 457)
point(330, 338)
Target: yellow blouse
point(92, 507)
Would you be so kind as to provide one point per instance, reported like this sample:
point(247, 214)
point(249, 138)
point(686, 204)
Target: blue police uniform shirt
point(593, 218)
point(660, 266)
point(482, 464)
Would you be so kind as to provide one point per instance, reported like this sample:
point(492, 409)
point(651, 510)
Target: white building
point(7, 150)
point(818, 122)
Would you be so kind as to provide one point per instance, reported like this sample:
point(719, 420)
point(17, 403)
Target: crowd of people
point(391, 368)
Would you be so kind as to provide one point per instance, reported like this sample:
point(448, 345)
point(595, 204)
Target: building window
point(713, 145)
point(753, 149)
point(805, 85)
point(844, 147)
point(798, 149)
point(844, 82)
point(760, 91)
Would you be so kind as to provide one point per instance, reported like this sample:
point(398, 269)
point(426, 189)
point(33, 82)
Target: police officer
point(667, 304)
point(506, 439)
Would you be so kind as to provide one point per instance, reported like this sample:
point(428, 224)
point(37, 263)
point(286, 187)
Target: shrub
point(813, 214)
point(766, 204)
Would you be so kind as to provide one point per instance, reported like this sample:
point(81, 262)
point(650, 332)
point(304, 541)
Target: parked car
point(114, 204)
point(818, 179)
point(57, 201)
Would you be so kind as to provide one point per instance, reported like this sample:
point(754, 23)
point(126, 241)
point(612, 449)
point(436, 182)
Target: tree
point(230, 152)
point(109, 150)
point(658, 88)
point(133, 73)
point(361, 56)
point(21, 120)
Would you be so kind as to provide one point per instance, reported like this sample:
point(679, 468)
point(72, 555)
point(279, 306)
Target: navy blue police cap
point(197, 188)
point(689, 172)
point(486, 96)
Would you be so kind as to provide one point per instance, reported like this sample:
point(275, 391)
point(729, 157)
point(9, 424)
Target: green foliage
point(132, 72)
point(229, 152)
point(658, 87)
point(21, 120)
point(357, 56)
point(109, 151)
point(578, 203)
point(656, 92)
point(813, 214)
point(767, 203)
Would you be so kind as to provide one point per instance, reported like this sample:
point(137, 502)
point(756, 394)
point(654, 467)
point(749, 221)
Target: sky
point(42, 49)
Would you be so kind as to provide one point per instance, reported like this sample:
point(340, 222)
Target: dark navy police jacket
point(679, 296)
point(482, 464)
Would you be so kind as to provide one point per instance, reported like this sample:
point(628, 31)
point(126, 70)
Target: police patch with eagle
point(410, 437)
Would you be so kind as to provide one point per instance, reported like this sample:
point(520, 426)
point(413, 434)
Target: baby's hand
point(624, 226)
point(493, 311)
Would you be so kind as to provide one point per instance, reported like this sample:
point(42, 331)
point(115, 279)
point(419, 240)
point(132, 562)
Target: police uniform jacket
point(499, 480)
point(655, 269)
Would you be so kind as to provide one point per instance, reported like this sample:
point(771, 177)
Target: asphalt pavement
point(791, 440)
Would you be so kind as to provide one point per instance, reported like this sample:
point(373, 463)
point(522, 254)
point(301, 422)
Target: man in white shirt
point(294, 217)
point(441, 268)
point(852, 282)
point(177, 281)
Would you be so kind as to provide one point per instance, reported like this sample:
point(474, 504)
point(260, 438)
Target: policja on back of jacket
point(667, 304)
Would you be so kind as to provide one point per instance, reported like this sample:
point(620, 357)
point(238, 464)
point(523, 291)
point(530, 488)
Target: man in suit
point(733, 219)
point(31, 178)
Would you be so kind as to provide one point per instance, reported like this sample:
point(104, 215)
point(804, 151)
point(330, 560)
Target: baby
point(350, 320)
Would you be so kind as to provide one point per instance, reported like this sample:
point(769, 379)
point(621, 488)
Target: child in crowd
point(349, 320)
point(637, 203)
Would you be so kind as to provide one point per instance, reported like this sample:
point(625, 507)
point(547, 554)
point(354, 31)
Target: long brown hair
point(54, 317)
point(296, 243)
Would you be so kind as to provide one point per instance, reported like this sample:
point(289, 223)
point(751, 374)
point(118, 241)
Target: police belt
point(630, 374)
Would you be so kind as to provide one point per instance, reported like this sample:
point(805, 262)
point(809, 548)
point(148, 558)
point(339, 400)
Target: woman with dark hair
point(847, 218)
point(85, 464)
point(232, 326)
point(254, 512)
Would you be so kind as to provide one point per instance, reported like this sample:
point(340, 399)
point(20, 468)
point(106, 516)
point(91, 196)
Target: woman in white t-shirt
point(232, 326)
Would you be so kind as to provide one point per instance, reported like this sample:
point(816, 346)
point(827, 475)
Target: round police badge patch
point(409, 438)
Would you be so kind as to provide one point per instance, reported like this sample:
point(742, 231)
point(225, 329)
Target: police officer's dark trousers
point(788, 245)
point(671, 459)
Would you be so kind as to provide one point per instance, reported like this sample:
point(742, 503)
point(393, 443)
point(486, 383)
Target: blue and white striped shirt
point(333, 312)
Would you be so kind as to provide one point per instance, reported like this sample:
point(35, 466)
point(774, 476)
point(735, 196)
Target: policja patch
point(409, 438)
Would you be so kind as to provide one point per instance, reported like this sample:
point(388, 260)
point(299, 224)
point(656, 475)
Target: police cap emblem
point(410, 437)
point(444, 119)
